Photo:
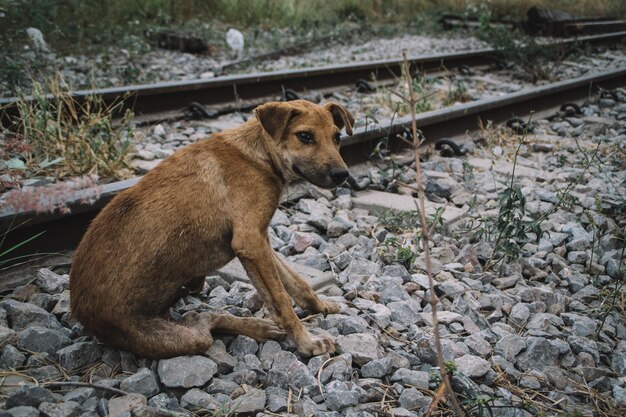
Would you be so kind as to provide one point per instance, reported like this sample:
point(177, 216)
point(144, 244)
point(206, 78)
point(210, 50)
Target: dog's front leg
point(301, 291)
point(256, 256)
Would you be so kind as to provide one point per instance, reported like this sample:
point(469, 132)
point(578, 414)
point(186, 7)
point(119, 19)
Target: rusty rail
point(63, 231)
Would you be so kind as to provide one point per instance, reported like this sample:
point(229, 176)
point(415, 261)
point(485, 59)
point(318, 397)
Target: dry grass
point(60, 137)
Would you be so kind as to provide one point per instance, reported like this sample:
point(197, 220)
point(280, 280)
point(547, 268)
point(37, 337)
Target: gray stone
point(450, 288)
point(31, 396)
point(613, 269)
point(416, 379)
point(11, 358)
point(288, 372)
point(52, 283)
point(557, 239)
point(224, 360)
point(276, 399)
point(538, 355)
point(164, 401)
point(504, 283)
point(577, 257)
point(44, 373)
point(509, 346)
point(578, 245)
point(7, 336)
point(40, 339)
point(62, 306)
point(279, 218)
point(222, 386)
point(392, 290)
point(618, 363)
point(359, 269)
point(581, 325)
point(587, 294)
point(79, 355)
point(443, 317)
point(478, 345)
point(405, 312)
point(300, 241)
point(339, 369)
point(545, 322)
point(143, 382)
point(340, 395)
point(312, 258)
point(125, 405)
point(472, 366)
point(352, 324)
point(363, 347)
point(21, 411)
point(198, 400)
point(64, 409)
point(307, 407)
point(24, 315)
point(80, 394)
point(576, 232)
point(268, 352)
point(619, 395)
point(338, 228)
point(251, 402)
point(412, 399)
point(186, 371)
point(377, 368)
point(242, 346)
point(580, 344)
point(519, 315)
point(343, 202)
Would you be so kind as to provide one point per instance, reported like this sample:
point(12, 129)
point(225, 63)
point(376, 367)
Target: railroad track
point(167, 100)
point(63, 231)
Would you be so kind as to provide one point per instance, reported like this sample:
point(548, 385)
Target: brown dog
point(193, 213)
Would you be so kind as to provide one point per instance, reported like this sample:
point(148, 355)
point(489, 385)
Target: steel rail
point(63, 231)
point(177, 95)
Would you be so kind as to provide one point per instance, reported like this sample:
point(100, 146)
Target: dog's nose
point(338, 175)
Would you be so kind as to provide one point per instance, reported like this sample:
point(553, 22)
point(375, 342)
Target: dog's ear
point(274, 117)
point(341, 116)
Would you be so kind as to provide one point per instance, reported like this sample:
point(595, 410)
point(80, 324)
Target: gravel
point(548, 320)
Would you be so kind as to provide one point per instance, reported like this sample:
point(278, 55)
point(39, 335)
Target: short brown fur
point(192, 214)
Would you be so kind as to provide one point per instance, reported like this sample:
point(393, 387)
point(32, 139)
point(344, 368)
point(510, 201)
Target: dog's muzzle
point(339, 176)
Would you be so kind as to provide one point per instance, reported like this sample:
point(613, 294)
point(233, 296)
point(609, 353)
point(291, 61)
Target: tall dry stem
point(425, 240)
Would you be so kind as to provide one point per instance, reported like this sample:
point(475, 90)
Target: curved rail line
point(63, 231)
point(177, 95)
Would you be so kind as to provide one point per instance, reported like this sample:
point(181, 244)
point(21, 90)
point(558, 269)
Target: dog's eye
point(305, 137)
point(337, 138)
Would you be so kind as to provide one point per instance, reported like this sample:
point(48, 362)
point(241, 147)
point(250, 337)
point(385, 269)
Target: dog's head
point(307, 138)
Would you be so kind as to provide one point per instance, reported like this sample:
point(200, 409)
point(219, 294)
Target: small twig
point(425, 239)
point(319, 373)
point(289, 398)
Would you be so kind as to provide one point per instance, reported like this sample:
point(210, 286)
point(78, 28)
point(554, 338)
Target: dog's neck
point(254, 142)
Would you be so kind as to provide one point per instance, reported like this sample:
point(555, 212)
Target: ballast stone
point(186, 371)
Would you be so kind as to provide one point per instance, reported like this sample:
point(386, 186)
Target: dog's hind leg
point(301, 292)
point(157, 338)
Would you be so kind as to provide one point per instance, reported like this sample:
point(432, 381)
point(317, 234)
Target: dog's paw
point(317, 345)
point(263, 330)
point(329, 307)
